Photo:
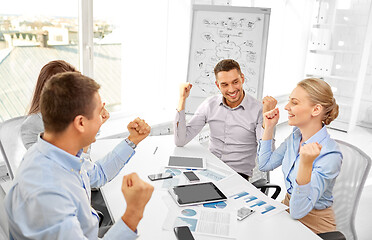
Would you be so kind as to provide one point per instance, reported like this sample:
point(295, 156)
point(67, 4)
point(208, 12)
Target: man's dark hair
point(65, 96)
point(226, 65)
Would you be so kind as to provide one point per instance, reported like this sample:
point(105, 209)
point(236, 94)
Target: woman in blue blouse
point(310, 159)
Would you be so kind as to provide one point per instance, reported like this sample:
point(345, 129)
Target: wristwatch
point(130, 143)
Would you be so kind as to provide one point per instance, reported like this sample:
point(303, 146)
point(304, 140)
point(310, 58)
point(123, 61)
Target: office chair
point(4, 228)
point(347, 191)
point(11, 144)
point(261, 180)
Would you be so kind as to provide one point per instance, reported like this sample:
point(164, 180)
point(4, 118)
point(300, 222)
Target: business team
point(50, 195)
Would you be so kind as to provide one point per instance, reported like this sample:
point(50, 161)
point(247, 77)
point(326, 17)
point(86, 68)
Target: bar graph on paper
point(261, 207)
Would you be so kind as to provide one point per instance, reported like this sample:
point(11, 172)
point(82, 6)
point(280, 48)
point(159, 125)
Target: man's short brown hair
point(226, 65)
point(65, 96)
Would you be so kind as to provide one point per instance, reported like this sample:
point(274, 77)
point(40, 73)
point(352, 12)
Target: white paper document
point(214, 173)
point(203, 221)
point(249, 196)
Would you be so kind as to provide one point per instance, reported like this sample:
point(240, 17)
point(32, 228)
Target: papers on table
point(170, 182)
point(220, 219)
point(212, 173)
point(249, 196)
point(203, 221)
point(216, 220)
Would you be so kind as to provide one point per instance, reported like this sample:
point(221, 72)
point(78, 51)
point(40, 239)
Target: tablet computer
point(187, 162)
point(196, 194)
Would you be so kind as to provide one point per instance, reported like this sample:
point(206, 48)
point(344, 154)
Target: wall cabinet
point(339, 52)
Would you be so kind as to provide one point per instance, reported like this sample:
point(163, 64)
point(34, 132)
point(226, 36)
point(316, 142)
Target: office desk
point(145, 162)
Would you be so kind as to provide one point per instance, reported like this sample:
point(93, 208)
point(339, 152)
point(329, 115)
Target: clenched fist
point(185, 89)
point(269, 103)
point(271, 118)
point(138, 130)
point(309, 152)
point(137, 193)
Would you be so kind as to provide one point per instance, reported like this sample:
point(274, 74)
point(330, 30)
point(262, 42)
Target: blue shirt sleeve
point(105, 169)
point(268, 159)
point(120, 231)
point(325, 170)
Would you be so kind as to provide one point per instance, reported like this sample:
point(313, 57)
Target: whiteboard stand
point(226, 32)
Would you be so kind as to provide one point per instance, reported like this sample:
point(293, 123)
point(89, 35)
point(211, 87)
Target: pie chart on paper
point(173, 171)
point(188, 212)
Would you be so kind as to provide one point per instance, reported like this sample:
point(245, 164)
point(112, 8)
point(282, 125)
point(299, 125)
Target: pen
point(155, 150)
point(191, 169)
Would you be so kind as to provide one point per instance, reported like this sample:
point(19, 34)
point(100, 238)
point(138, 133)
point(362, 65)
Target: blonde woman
point(310, 159)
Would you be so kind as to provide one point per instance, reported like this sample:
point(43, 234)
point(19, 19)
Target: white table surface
point(145, 162)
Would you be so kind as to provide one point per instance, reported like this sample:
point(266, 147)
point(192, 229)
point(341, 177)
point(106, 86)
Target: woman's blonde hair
point(321, 93)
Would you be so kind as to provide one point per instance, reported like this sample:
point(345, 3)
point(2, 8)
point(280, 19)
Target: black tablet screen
point(191, 162)
point(196, 193)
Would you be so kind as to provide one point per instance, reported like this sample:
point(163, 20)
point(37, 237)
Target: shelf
point(333, 51)
point(342, 104)
point(352, 79)
point(364, 100)
point(339, 125)
point(339, 53)
point(322, 25)
point(344, 101)
point(364, 124)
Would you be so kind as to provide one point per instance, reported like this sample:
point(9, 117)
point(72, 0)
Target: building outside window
point(32, 33)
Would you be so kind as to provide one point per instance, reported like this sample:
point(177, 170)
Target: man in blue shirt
point(50, 196)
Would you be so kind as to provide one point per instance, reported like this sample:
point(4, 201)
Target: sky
point(102, 9)
point(69, 8)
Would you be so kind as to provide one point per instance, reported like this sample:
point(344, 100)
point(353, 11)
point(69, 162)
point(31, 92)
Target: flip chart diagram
point(226, 32)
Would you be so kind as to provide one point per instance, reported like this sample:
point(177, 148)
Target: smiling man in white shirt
point(235, 119)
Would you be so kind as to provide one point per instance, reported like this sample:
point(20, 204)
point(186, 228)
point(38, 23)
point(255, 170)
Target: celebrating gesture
point(310, 159)
point(138, 130)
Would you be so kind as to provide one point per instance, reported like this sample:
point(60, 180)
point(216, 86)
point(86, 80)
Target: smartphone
point(244, 212)
point(159, 176)
point(183, 233)
point(191, 176)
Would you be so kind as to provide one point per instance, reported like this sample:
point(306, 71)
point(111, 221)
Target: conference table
point(151, 156)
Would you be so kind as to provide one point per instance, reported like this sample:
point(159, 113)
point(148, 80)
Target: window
point(151, 45)
point(30, 37)
point(140, 53)
point(107, 48)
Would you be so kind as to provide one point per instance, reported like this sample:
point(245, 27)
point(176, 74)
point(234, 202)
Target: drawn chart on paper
point(239, 195)
point(255, 202)
point(189, 212)
point(211, 175)
point(215, 205)
point(220, 223)
point(226, 32)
